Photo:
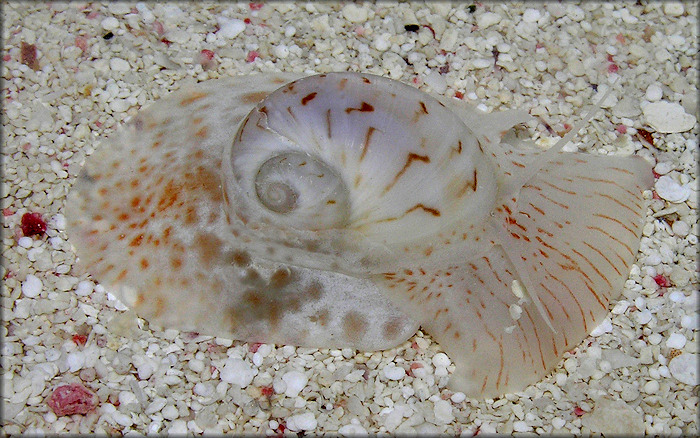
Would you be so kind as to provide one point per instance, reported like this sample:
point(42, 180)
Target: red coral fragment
point(459, 95)
point(79, 339)
point(255, 6)
point(206, 59)
point(578, 411)
point(252, 55)
point(645, 135)
point(72, 399)
point(662, 281)
point(267, 391)
point(253, 348)
point(33, 224)
point(28, 56)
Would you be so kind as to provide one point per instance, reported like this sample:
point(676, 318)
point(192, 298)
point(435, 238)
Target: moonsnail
point(347, 210)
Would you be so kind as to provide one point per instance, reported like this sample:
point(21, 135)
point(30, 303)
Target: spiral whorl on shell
point(354, 168)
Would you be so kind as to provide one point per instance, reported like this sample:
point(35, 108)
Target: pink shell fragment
point(72, 399)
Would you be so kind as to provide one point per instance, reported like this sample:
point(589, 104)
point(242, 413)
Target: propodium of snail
point(347, 210)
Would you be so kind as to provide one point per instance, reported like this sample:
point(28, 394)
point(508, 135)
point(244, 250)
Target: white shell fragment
point(345, 210)
point(684, 368)
point(668, 117)
point(669, 189)
point(614, 418)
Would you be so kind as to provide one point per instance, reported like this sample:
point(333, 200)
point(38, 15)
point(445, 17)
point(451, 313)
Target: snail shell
point(347, 209)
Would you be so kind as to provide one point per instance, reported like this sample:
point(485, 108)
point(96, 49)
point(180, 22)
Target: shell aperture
point(346, 209)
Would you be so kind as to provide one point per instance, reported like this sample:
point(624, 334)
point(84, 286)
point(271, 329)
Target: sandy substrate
point(73, 72)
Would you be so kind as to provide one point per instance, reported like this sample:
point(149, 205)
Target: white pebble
point(558, 423)
point(487, 19)
point(676, 340)
point(680, 228)
point(126, 397)
point(145, 370)
point(238, 372)
point(170, 412)
point(482, 63)
point(441, 360)
point(654, 93)
point(674, 9)
point(668, 117)
point(118, 64)
point(296, 381)
point(690, 321)
point(651, 387)
point(31, 286)
point(179, 427)
point(354, 13)
point(392, 372)
point(25, 242)
point(531, 15)
point(75, 361)
point(281, 51)
point(655, 338)
point(110, 23)
point(443, 412)
point(119, 105)
point(156, 405)
point(122, 419)
point(230, 28)
point(289, 31)
point(352, 430)
point(305, 421)
point(196, 365)
point(521, 426)
point(643, 317)
point(203, 389)
point(676, 296)
point(381, 43)
point(621, 307)
point(684, 368)
point(436, 81)
point(663, 167)
point(458, 397)
point(667, 188)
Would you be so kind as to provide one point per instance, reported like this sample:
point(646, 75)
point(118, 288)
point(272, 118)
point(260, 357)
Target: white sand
point(629, 376)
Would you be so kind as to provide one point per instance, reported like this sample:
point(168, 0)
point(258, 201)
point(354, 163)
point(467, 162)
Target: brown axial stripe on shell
point(364, 108)
point(432, 211)
point(423, 108)
point(365, 145)
point(328, 124)
point(308, 98)
point(409, 160)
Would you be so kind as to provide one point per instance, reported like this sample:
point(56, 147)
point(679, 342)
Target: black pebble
point(411, 27)
point(108, 36)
